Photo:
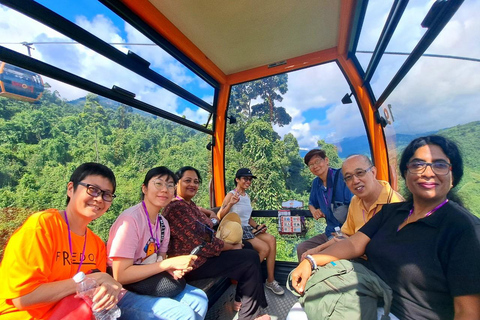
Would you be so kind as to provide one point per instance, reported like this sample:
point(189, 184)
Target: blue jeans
point(191, 304)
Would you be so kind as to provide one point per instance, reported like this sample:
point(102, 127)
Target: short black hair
point(180, 172)
point(448, 147)
point(92, 169)
point(312, 153)
point(158, 171)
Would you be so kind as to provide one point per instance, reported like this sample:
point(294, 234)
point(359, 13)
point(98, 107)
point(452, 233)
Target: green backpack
point(343, 290)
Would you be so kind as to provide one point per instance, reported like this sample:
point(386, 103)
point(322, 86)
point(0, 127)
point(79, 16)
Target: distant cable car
point(20, 84)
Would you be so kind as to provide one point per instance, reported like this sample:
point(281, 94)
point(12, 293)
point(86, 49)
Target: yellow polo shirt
point(358, 215)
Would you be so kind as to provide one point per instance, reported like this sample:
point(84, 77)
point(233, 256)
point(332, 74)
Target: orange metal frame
point(145, 10)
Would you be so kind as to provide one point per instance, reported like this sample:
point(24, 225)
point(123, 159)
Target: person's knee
point(179, 313)
point(250, 257)
point(263, 250)
point(272, 242)
point(301, 248)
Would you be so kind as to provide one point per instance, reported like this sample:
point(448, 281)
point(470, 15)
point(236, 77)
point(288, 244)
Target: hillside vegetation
point(41, 144)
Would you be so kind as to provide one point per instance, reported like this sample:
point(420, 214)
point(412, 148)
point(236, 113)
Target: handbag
point(339, 209)
point(162, 284)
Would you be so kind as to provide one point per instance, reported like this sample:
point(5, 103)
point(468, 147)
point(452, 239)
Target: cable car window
point(40, 144)
point(277, 121)
point(49, 46)
point(94, 17)
point(375, 17)
point(440, 96)
point(405, 37)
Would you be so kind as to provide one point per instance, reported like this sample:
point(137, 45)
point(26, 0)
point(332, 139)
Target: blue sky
point(436, 93)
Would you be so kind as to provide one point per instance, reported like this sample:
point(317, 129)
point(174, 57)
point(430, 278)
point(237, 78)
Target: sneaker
point(263, 317)
point(275, 287)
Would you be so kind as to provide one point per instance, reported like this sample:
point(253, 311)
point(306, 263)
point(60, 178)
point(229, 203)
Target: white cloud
point(437, 93)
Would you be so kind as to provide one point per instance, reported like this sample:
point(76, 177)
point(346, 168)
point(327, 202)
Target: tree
point(269, 90)
point(332, 153)
point(296, 173)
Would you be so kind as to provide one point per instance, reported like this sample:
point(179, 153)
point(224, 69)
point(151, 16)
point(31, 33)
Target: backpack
point(343, 290)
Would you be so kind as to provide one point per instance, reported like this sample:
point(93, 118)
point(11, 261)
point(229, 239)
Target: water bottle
point(339, 233)
point(86, 288)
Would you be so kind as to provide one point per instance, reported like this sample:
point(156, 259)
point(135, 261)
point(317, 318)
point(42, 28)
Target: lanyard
point(429, 213)
point(82, 256)
point(157, 242)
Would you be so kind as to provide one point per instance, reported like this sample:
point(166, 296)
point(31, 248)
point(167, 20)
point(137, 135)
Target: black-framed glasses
point(247, 178)
point(315, 163)
point(95, 191)
point(441, 168)
point(358, 173)
point(160, 184)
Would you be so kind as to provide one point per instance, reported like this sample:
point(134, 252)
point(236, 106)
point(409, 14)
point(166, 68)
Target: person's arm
point(208, 213)
point(467, 307)
point(227, 204)
point(316, 213)
point(257, 226)
point(350, 248)
point(126, 272)
point(51, 292)
point(319, 248)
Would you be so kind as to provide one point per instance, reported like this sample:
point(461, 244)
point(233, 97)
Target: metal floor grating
point(278, 306)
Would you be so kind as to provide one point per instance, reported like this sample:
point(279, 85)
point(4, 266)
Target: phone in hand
point(197, 249)
point(261, 230)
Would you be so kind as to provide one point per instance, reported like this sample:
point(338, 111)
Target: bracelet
point(256, 227)
point(310, 259)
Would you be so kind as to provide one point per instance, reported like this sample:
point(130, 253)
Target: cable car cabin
point(20, 84)
point(224, 85)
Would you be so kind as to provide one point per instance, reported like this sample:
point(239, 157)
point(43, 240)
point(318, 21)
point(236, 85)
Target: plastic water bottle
point(86, 288)
point(339, 233)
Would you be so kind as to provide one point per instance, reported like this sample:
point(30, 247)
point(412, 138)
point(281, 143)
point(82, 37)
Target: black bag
point(159, 285)
point(339, 209)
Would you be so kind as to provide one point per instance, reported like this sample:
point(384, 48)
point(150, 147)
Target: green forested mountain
point(467, 137)
point(41, 144)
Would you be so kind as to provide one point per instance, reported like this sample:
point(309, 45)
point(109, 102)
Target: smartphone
point(262, 229)
point(207, 233)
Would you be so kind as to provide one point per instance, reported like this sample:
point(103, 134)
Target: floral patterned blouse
point(189, 228)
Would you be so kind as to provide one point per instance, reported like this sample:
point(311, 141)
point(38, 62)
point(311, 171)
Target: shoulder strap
point(332, 202)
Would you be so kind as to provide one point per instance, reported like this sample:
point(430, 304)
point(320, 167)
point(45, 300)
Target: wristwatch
point(313, 264)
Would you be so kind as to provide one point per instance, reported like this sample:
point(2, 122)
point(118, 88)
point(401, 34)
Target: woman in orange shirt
point(44, 254)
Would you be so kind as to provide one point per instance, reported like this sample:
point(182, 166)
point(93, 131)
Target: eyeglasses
point(160, 184)
point(189, 181)
point(247, 178)
point(358, 173)
point(316, 163)
point(96, 191)
point(438, 167)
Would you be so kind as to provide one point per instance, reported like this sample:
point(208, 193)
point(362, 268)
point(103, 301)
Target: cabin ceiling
point(244, 34)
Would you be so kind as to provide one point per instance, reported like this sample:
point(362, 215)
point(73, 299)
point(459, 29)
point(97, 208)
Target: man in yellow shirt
point(369, 197)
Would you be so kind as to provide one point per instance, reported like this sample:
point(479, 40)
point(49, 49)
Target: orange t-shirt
point(37, 253)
